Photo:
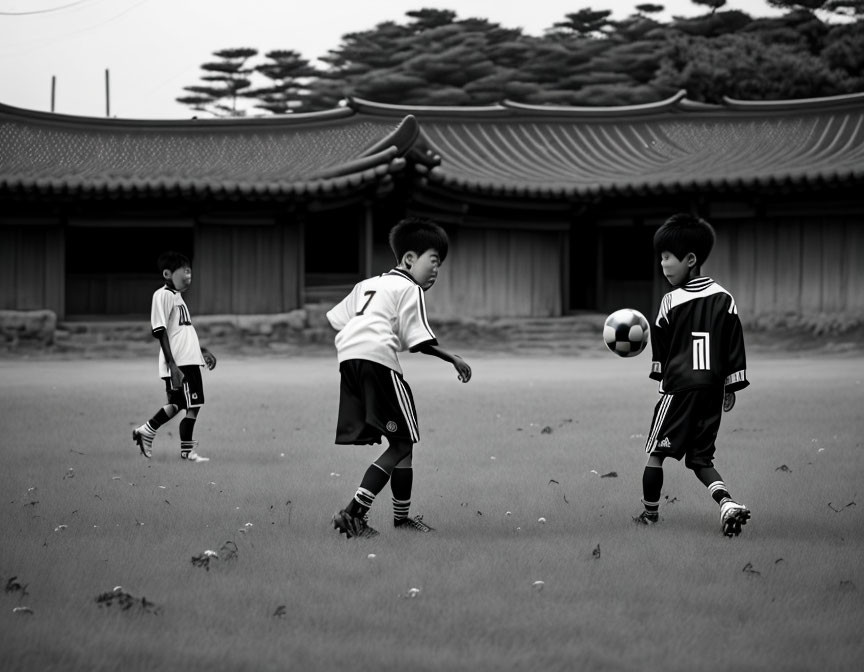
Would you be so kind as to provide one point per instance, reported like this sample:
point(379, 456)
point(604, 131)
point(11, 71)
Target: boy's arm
point(435, 350)
point(176, 374)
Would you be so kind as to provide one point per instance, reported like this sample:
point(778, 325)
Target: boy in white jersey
point(381, 316)
point(180, 358)
point(698, 358)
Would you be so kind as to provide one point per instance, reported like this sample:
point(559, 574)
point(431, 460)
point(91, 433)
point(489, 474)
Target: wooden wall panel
point(500, 273)
point(247, 269)
point(764, 267)
point(811, 269)
point(8, 276)
point(787, 274)
point(854, 279)
point(213, 274)
point(833, 267)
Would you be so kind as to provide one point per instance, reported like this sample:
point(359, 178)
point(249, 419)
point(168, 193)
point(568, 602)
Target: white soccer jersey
point(380, 317)
point(168, 312)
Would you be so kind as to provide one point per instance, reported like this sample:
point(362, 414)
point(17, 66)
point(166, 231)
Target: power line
point(44, 11)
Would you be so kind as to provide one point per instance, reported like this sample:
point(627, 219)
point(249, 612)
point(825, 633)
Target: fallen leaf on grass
point(611, 474)
point(281, 611)
point(836, 510)
point(748, 569)
point(783, 467)
point(596, 552)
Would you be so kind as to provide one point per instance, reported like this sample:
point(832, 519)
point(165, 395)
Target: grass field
point(83, 513)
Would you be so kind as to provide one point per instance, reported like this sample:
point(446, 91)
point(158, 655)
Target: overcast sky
point(153, 48)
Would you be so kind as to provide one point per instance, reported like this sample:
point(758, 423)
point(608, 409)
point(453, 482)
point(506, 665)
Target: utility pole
point(107, 95)
point(53, 89)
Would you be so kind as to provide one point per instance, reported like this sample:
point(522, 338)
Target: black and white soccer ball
point(625, 332)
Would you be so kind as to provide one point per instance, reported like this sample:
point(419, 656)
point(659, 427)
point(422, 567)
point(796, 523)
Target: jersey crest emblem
point(391, 426)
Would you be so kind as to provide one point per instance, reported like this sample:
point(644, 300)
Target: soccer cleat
point(647, 518)
point(143, 436)
point(352, 526)
point(732, 517)
point(416, 523)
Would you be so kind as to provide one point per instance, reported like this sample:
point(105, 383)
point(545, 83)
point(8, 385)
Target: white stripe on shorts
point(406, 406)
point(658, 422)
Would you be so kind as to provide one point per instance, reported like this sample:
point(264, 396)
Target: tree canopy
point(815, 48)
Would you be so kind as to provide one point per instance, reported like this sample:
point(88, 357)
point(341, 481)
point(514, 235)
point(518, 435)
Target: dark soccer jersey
point(697, 340)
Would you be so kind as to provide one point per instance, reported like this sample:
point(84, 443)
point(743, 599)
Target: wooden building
point(551, 209)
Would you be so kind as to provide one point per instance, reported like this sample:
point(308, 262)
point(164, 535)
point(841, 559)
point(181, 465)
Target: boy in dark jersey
point(698, 358)
point(381, 316)
point(180, 358)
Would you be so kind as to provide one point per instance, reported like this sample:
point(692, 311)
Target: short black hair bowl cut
point(418, 234)
point(172, 260)
point(684, 233)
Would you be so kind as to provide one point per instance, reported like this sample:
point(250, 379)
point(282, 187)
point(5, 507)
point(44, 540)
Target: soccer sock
point(187, 428)
point(373, 482)
point(187, 444)
point(401, 482)
point(714, 482)
point(652, 485)
point(160, 418)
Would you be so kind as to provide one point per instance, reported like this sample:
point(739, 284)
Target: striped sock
point(361, 502)
point(719, 492)
point(400, 508)
point(187, 447)
point(147, 430)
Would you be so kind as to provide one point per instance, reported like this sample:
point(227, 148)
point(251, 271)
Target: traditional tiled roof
point(291, 156)
point(509, 149)
point(519, 150)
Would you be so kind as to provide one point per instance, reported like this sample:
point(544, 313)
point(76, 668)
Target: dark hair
point(684, 233)
point(418, 234)
point(172, 260)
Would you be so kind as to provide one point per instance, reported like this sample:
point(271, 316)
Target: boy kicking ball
point(698, 358)
point(381, 316)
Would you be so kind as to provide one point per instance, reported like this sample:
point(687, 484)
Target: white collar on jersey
point(403, 273)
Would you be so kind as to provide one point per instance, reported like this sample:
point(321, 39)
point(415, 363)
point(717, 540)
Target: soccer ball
point(625, 332)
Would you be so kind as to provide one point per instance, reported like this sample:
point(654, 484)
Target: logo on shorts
point(665, 443)
point(391, 426)
point(194, 395)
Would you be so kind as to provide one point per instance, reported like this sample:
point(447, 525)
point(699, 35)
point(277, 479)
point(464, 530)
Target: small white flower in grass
point(211, 554)
point(508, 513)
point(492, 457)
point(518, 529)
point(413, 592)
point(60, 528)
point(161, 487)
point(118, 589)
point(22, 610)
point(538, 585)
point(333, 474)
point(541, 520)
point(249, 525)
point(371, 556)
point(281, 454)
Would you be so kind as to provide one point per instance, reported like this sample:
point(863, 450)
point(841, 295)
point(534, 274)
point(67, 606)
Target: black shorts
point(374, 401)
point(685, 424)
point(191, 394)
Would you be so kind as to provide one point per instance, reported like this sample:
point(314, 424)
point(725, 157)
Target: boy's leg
point(143, 436)
point(193, 400)
point(351, 519)
point(732, 514)
point(187, 443)
point(652, 486)
point(401, 482)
